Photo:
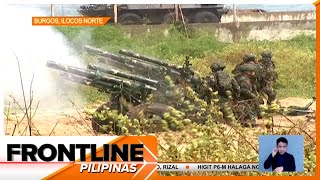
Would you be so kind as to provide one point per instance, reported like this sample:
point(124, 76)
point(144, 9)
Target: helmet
point(266, 54)
point(217, 66)
point(248, 67)
point(249, 58)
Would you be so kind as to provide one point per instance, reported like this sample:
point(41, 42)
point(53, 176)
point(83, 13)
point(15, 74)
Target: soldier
point(268, 76)
point(223, 82)
point(226, 86)
point(249, 97)
point(247, 59)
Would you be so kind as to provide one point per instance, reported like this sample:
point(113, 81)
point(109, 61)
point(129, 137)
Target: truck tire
point(169, 18)
point(205, 17)
point(129, 19)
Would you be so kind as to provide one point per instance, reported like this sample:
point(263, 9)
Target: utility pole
point(234, 13)
point(115, 12)
point(53, 10)
point(176, 8)
point(236, 35)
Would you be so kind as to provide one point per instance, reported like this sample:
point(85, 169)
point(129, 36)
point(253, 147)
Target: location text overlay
point(69, 21)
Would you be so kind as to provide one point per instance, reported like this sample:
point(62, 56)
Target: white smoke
point(33, 46)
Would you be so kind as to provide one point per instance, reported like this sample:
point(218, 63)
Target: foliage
point(201, 137)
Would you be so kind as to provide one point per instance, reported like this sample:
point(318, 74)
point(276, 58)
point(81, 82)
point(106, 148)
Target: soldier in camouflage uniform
point(247, 59)
point(249, 98)
point(226, 86)
point(267, 76)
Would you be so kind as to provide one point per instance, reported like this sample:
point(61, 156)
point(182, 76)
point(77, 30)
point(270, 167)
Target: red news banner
point(69, 21)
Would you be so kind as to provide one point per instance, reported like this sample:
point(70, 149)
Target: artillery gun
point(130, 79)
point(125, 90)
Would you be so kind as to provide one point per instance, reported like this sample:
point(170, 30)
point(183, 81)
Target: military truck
point(156, 13)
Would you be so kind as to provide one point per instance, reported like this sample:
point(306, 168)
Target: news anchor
point(279, 159)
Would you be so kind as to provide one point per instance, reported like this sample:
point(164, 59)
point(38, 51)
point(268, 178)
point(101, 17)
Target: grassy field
point(295, 63)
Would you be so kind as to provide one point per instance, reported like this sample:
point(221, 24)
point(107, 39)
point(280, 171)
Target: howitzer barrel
point(90, 74)
point(128, 61)
point(129, 68)
point(92, 50)
point(115, 64)
point(310, 103)
point(106, 54)
point(71, 69)
point(147, 58)
point(124, 75)
point(89, 82)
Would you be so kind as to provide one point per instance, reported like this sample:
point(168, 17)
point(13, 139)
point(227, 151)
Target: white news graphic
point(208, 167)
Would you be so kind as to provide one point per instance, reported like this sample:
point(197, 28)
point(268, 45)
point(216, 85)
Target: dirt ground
point(290, 120)
point(72, 122)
